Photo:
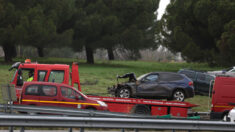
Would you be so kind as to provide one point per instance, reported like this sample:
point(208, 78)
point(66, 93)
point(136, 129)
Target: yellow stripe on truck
point(224, 106)
point(57, 102)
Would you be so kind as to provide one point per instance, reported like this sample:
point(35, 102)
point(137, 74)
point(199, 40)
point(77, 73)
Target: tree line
point(79, 24)
point(202, 30)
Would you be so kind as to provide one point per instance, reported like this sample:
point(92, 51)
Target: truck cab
point(58, 73)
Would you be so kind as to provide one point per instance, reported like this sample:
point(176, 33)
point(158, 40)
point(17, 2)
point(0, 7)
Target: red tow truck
point(60, 73)
point(223, 96)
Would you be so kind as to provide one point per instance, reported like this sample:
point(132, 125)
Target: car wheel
point(142, 109)
point(178, 95)
point(124, 93)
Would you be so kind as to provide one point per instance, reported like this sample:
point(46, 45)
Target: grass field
point(96, 78)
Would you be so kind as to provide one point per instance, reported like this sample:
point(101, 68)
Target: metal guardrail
point(101, 119)
point(98, 122)
point(68, 111)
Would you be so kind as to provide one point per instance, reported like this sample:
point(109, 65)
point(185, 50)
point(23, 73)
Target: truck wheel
point(142, 109)
point(178, 95)
point(124, 93)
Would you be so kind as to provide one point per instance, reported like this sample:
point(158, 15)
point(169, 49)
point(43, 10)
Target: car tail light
point(190, 83)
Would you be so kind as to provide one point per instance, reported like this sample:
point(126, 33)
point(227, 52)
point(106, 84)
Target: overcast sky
point(162, 7)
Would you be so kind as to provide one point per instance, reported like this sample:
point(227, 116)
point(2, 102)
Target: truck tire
point(178, 95)
point(124, 92)
point(142, 109)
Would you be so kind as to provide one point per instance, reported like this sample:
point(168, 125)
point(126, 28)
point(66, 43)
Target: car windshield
point(81, 93)
point(228, 69)
point(142, 76)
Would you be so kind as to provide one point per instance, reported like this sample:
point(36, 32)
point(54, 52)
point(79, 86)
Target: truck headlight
point(102, 103)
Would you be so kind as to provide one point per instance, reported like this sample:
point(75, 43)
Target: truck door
point(70, 98)
point(30, 95)
point(148, 86)
point(23, 74)
point(48, 95)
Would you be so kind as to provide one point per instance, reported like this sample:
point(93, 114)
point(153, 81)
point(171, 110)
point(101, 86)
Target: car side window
point(151, 78)
point(209, 78)
point(70, 93)
point(32, 90)
point(201, 77)
point(49, 90)
point(56, 76)
point(189, 74)
point(41, 75)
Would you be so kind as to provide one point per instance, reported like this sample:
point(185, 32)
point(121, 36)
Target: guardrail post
point(81, 129)
point(136, 130)
point(10, 97)
point(123, 130)
point(70, 129)
point(11, 129)
point(173, 130)
point(22, 129)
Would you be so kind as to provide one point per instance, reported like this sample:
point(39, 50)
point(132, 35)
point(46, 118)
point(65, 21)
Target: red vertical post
point(75, 76)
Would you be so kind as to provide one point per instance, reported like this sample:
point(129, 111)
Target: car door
point(202, 85)
point(70, 98)
point(30, 95)
point(148, 86)
point(48, 95)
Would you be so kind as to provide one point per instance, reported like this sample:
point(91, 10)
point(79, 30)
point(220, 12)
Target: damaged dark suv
point(163, 85)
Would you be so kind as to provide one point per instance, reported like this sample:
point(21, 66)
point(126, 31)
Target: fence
point(8, 93)
point(107, 122)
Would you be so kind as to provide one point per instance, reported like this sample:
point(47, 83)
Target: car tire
point(124, 92)
point(142, 109)
point(178, 95)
